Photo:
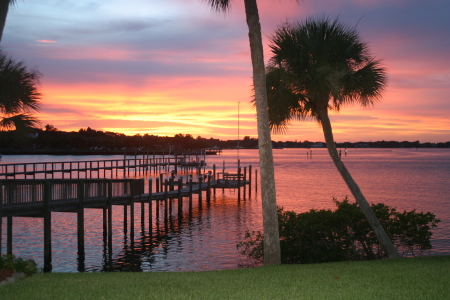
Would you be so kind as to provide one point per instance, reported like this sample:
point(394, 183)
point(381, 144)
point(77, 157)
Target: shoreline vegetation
point(88, 141)
point(405, 278)
point(198, 151)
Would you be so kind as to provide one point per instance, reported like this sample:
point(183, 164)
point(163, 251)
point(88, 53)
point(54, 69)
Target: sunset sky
point(164, 67)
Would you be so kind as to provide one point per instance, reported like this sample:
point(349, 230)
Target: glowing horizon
point(168, 68)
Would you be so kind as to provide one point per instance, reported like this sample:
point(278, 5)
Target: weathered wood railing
point(29, 197)
point(112, 168)
point(41, 197)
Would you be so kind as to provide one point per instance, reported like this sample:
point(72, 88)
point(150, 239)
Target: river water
point(206, 239)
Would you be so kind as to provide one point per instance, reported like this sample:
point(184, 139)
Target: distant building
point(362, 145)
point(318, 145)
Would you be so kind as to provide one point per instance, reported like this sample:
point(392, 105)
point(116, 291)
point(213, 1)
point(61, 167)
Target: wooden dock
point(41, 197)
point(112, 168)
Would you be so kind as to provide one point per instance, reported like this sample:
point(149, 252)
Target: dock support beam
point(180, 198)
point(208, 190)
point(200, 190)
point(245, 180)
point(110, 221)
point(166, 212)
point(80, 227)
point(150, 210)
point(239, 183)
point(47, 228)
point(250, 181)
point(132, 193)
point(9, 235)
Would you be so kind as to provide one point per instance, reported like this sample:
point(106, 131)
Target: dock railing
point(25, 197)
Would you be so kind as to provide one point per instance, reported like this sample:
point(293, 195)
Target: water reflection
point(205, 237)
point(200, 238)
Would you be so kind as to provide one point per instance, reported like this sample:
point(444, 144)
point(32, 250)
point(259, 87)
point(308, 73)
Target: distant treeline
point(52, 139)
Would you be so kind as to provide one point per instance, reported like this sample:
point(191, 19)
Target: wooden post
point(249, 181)
point(143, 214)
point(256, 181)
point(150, 200)
point(9, 235)
point(208, 191)
point(214, 178)
point(110, 220)
point(190, 193)
point(166, 212)
point(133, 191)
point(80, 226)
point(142, 191)
point(239, 182)
point(180, 198)
point(125, 218)
point(245, 180)
point(47, 227)
point(200, 180)
point(170, 200)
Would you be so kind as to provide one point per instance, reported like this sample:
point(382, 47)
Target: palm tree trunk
point(375, 224)
point(4, 5)
point(272, 251)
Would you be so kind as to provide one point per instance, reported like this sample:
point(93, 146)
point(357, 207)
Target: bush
point(344, 234)
point(17, 264)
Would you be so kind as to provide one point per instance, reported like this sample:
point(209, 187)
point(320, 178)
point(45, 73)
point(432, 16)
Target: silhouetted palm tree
point(318, 66)
point(4, 7)
point(269, 204)
point(19, 96)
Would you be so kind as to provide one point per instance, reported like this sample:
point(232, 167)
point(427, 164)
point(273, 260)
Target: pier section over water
point(40, 197)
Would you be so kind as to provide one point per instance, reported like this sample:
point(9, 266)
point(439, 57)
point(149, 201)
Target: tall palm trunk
point(272, 253)
point(4, 6)
point(375, 224)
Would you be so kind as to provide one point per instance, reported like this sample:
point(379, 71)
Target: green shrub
point(17, 264)
point(343, 234)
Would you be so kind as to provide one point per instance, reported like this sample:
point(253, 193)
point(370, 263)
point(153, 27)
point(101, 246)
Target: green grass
point(406, 278)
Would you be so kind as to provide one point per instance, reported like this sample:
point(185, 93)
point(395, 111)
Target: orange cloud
point(46, 41)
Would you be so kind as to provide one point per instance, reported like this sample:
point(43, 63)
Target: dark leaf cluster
point(17, 264)
point(344, 234)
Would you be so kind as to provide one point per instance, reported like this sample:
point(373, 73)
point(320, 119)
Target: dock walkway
point(110, 168)
point(41, 197)
point(30, 197)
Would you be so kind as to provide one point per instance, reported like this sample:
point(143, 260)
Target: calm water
point(406, 179)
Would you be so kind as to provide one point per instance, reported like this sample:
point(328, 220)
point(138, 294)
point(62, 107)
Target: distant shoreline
point(102, 152)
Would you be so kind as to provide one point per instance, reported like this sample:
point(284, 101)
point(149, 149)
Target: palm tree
point(4, 7)
point(269, 205)
point(19, 96)
point(319, 66)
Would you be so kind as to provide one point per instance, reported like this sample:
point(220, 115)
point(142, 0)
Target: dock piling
point(47, 228)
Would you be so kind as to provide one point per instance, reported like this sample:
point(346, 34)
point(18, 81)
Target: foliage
point(320, 66)
point(19, 97)
point(316, 66)
point(17, 264)
point(344, 234)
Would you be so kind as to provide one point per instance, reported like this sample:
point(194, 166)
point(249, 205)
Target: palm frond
point(219, 5)
point(18, 87)
point(20, 122)
point(330, 64)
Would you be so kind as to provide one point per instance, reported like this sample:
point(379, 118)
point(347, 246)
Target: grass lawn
point(406, 278)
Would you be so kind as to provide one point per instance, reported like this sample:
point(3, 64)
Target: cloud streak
point(168, 67)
